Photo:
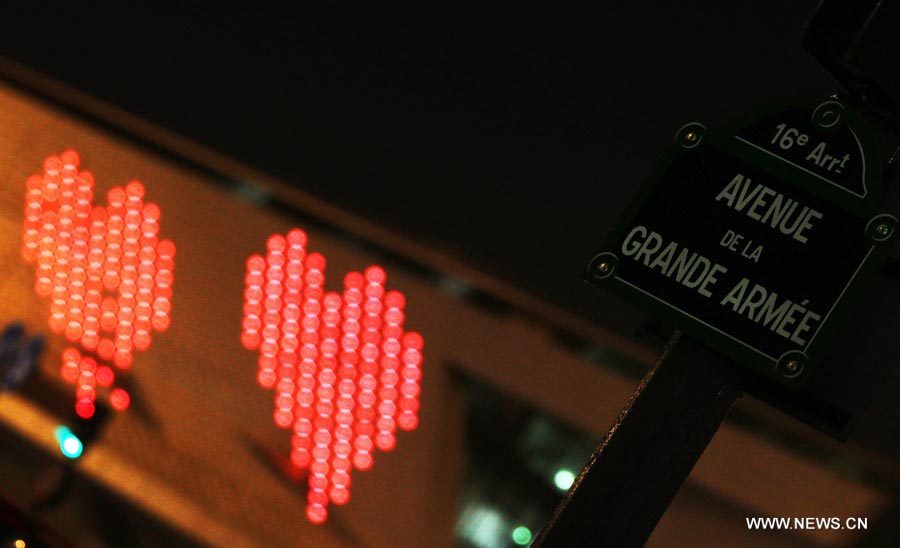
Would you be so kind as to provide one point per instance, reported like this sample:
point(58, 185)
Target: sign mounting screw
point(602, 266)
point(828, 115)
point(791, 364)
point(881, 228)
point(690, 135)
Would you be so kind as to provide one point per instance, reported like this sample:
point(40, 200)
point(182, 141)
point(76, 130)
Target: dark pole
point(649, 451)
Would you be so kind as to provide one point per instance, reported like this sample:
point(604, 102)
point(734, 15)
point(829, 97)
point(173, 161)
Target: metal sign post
point(648, 453)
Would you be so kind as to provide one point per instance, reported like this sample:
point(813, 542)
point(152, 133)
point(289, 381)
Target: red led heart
point(345, 374)
point(108, 275)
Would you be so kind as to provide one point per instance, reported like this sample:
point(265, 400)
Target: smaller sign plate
point(753, 240)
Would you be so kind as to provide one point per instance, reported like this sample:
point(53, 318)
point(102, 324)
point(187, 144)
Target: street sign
point(755, 239)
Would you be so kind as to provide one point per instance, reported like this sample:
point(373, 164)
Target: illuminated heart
point(345, 374)
point(108, 276)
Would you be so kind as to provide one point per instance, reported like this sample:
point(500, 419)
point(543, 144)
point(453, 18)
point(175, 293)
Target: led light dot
point(119, 399)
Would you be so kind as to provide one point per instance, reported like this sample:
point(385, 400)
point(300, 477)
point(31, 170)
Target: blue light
point(69, 444)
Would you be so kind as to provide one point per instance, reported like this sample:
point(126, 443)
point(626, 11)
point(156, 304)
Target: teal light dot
point(564, 479)
point(521, 535)
point(69, 444)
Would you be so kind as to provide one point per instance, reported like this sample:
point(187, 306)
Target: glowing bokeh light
point(69, 444)
point(106, 273)
point(521, 535)
point(345, 374)
point(563, 479)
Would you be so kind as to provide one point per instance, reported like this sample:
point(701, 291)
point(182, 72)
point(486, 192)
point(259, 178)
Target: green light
point(69, 444)
point(564, 479)
point(521, 535)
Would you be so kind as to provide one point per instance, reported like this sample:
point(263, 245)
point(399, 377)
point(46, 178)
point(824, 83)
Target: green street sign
point(755, 238)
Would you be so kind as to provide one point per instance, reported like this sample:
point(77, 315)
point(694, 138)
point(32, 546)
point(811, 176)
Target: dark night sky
point(511, 139)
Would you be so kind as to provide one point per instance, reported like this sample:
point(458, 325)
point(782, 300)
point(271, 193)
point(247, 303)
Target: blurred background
point(479, 157)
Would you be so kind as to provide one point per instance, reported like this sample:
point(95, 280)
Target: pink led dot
point(394, 316)
point(105, 376)
point(119, 399)
point(122, 358)
point(317, 496)
point(69, 372)
point(266, 378)
point(34, 183)
point(385, 423)
point(341, 476)
point(318, 482)
point(339, 495)
point(116, 197)
point(52, 165)
point(344, 418)
point(315, 261)
point(296, 237)
point(276, 243)
point(254, 294)
point(409, 404)
point(375, 274)
point(134, 189)
point(374, 293)
point(151, 212)
point(84, 408)
point(69, 159)
point(166, 249)
point(303, 426)
point(73, 331)
point(256, 264)
point(305, 398)
point(283, 418)
point(341, 449)
point(392, 332)
point(300, 457)
point(366, 399)
point(362, 460)
point(410, 389)
point(316, 513)
point(250, 340)
point(164, 277)
point(408, 421)
point(111, 279)
point(354, 280)
point(43, 286)
point(106, 348)
point(385, 441)
point(141, 340)
point(387, 408)
point(160, 321)
point(411, 357)
point(71, 355)
point(254, 279)
point(394, 299)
